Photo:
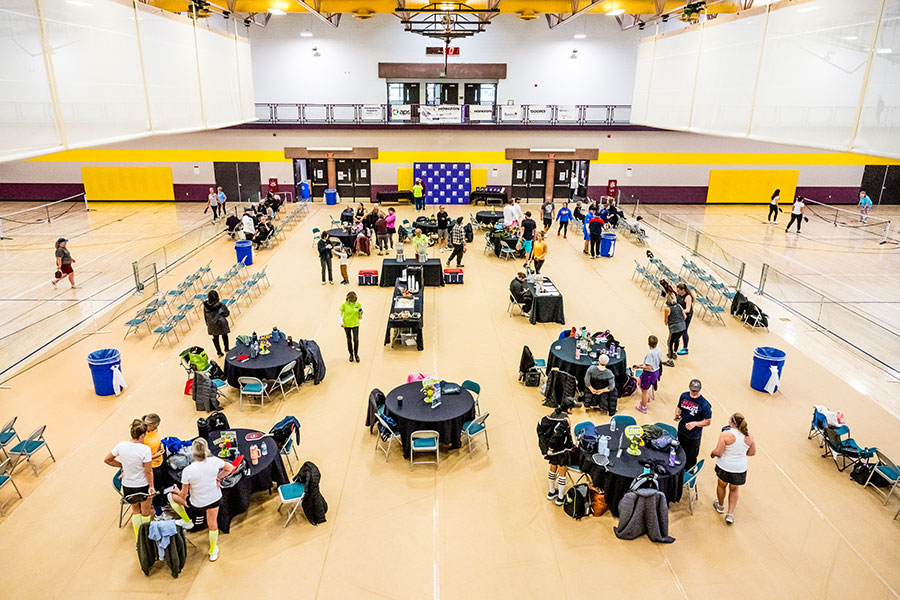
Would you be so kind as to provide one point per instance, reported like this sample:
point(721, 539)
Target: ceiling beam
point(561, 20)
point(331, 19)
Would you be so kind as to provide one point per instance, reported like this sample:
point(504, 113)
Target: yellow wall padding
point(479, 178)
point(128, 183)
point(404, 179)
point(750, 186)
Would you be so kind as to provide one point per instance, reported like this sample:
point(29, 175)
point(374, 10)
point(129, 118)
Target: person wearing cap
point(693, 413)
point(601, 386)
point(64, 262)
point(555, 441)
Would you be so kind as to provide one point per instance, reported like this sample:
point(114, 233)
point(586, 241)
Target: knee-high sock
point(145, 519)
point(561, 486)
point(213, 539)
point(179, 510)
point(551, 480)
point(136, 524)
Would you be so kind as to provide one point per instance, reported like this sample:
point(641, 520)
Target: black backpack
point(860, 473)
point(577, 503)
point(214, 422)
point(470, 234)
point(532, 378)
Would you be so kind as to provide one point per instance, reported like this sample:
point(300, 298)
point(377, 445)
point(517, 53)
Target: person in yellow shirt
point(539, 252)
point(351, 313)
point(418, 191)
point(420, 243)
point(152, 439)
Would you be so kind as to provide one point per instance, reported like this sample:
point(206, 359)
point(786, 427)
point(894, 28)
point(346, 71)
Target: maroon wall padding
point(41, 192)
point(830, 195)
point(657, 194)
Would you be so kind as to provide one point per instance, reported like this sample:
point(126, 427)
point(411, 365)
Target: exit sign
point(450, 51)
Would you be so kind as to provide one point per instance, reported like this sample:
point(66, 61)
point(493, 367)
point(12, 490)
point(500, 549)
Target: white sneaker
point(187, 524)
point(214, 554)
point(729, 518)
point(719, 508)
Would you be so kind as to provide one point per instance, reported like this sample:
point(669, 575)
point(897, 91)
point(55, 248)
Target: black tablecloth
point(345, 236)
point(488, 197)
point(546, 308)
point(427, 225)
point(489, 217)
point(497, 239)
point(415, 324)
point(405, 195)
point(617, 476)
point(267, 473)
point(563, 358)
point(391, 270)
point(415, 415)
point(264, 366)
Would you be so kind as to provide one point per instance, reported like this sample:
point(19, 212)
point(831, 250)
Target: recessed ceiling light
point(579, 36)
point(447, 6)
point(850, 38)
point(78, 3)
point(808, 9)
point(276, 11)
point(616, 11)
point(883, 51)
point(306, 33)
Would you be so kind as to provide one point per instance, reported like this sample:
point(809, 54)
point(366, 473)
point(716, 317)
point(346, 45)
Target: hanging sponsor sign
point(401, 112)
point(371, 112)
point(481, 113)
point(539, 112)
point(445, 113)
point(509, 112)
point(567, 113)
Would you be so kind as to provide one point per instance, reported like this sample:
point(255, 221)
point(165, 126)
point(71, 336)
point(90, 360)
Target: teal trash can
point(331, 197)
point(607, 244)
point(101, 363)
point(244, 251)
point(764, 358)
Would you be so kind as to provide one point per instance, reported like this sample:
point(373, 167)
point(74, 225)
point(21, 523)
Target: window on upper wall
point(395, 93)
point(481, 93)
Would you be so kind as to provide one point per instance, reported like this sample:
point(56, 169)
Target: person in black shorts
point(134, 459)
point(555, 441)
point(547, 209)
point(443, 228)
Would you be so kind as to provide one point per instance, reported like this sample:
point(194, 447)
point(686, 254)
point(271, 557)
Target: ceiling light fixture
point(78, 3)
point(808, 9)
point(316, 52)
point(276, 11)
point(306, 33)
point(850, 38)
point(883, 51)
point(579, 36)
point(574, 54)
point(616, 12)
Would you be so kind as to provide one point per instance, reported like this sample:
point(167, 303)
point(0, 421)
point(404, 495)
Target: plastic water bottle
point(612, 425)
point(265, 449)
point(577, 353)
point(671, 456)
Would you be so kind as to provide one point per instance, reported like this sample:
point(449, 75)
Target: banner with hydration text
point(444, 113)
point(478, 112)
point(446, 183)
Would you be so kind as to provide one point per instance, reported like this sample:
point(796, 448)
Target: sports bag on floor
point(577, 503)
point(598, 501)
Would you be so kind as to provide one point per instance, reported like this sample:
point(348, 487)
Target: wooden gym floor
point(479, 527)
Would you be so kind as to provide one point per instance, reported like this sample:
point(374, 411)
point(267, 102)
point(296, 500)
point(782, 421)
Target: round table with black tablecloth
point(617, 476)
point(267, 473)
point(489, 217)
point(498, 237)
point(345, 236)
point(416, 415)
point(264, 366)
point(562, 356)
point(428, 226)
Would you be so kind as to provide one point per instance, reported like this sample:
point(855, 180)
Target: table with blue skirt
point(406, 406)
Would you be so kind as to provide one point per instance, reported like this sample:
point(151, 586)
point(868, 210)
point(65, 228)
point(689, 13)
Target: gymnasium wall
point(666, 167)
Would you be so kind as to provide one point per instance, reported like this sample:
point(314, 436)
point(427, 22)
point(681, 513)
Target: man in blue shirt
point(693, 413)
point(865, 203)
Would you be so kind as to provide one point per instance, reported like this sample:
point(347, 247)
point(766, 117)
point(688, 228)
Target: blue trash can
point(305, 191)
point(244, 251)
point(764, 358)
point(607, 244)
point(101, 363)
point(330, 197)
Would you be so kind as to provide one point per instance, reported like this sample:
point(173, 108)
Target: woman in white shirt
point(734, 446)
point(201, 483)
point(796, 214)
point(135, 461)
point(773, 207)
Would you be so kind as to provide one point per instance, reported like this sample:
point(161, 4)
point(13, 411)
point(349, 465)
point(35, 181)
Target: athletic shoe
point(719, 508)
point(729, 518)
point(323, 283)
point(551, 495)
point(565, 237)
point(460, 266)
point(640, 408)
point(187, 524)
point(682, 352)
point(214, 554)
point(345, 283)
point(357, 358)
point(669, 363)
point(559, 501)
point(557, 234)
point(331, 282)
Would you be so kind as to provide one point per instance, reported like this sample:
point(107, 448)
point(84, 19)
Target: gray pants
point(326, 266)
point(382, 241)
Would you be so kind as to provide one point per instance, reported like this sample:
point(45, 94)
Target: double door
point(239, 180)
point(317, 171)
point(882, 184)
point(529, 178)
point(354, 177)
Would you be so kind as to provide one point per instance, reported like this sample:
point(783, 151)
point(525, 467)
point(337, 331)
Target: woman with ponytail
point(135, 459)
point(731, 452)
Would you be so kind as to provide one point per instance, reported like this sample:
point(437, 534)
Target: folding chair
point(316, 235)
point(623, 421)
point(290, 493)
point(488, 245)
point(163, 331)
point(287, 376)
point(204, 271)
point(506, 253)
point(514, 302)
point(470, 429)
point(290, 449)
point(475, 389)
point(690, 483)
point(885, 469)
point(384, 434)
point(29, 447)
point(668, 429)
point(8, 434)
point(134, 324)
point(6, 477)
point(846, 449)
point(817, 427)
point(638, 270)
point(251, 386)
point(424, 442)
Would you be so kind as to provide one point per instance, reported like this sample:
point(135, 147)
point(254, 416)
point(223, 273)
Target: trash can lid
point(608, 235)
point(243, 243)
point(769, 353)
point(106, 355)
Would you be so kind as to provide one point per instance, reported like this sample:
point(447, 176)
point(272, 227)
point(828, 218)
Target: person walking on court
point(325, 248)
point(539, 252)
point(773, 207)
point(222, 199)
point(686, 301)
point(458, 241)
point(734, 446)
point(674, 318)
point(693, 412)
point(216, 315)
point(547, 209)
point(796, 214)
point(527, 241)
point(64, 262)
point(418, 191)
point(564, 216)
point(865, 203)
point(212, 201)
point(351, 313)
